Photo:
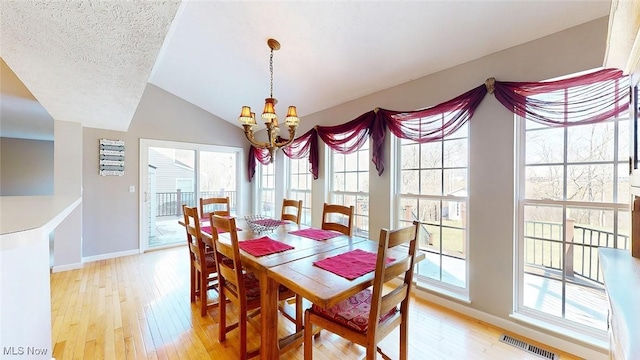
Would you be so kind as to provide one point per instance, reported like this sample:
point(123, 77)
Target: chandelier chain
point(271, 70)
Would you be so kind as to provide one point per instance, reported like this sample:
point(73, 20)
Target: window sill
point(591, 339)
point(451, 295)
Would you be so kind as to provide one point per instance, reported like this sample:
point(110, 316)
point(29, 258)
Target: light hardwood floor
point(137, 307)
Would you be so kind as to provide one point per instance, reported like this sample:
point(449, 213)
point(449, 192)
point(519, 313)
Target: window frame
point(521, 311)
point(261, 189)
point(333, 194)
point(306, 218)
point(439, 286)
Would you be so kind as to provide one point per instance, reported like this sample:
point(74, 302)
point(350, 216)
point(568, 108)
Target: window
point(300, 186)
point(432, 187)
point(266, 191)
point(350, 185)
point(573, 187)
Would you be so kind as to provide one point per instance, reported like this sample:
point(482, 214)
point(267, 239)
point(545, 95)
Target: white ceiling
point(82, 65)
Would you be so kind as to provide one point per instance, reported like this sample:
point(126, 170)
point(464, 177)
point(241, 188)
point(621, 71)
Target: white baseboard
point(110, 255)
point(561, 344)
point(67, 267)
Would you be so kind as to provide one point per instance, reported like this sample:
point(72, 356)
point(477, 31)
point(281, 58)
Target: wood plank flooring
point(137, 307)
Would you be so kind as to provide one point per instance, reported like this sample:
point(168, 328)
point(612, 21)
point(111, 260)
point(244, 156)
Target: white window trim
point(426, 283)
point(330, 178)
point(520, 312)
point(289, 190)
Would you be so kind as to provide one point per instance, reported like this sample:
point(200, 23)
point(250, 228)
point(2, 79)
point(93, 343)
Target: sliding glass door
point(173, 174)
point(218, 176)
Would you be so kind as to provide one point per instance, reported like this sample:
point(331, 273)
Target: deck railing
point(170, 203)
point(544, 247)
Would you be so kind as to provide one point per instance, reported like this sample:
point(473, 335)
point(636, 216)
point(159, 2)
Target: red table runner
point(263, 246)
point(352, 264)
point(316, 234)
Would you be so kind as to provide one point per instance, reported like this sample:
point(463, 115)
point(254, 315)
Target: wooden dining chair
point(203, 272)
point(291, 210)
point(369, 316)
point(221, 205)
point(343, 224)
point(242, 288)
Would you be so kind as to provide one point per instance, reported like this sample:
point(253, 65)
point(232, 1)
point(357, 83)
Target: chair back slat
point(397, 268)
point(221, 222)
point(221, 205)
point(228, 273)
point(400, 236)
point(291, 210)
point(394, 298)
point(344, 225)
point(225, 250)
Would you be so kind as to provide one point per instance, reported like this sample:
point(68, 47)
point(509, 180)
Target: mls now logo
point(23, 350)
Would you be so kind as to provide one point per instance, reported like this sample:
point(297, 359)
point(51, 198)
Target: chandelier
point(248, 118)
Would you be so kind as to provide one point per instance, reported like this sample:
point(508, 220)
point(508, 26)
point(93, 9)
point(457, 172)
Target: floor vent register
point(545, 354)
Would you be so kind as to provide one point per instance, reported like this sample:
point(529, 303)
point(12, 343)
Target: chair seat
point(211, 260)
point(252, 286)
point(352, 312)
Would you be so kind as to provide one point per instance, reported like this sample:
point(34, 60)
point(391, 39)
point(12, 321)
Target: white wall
point(111, 219)
point(26, 167)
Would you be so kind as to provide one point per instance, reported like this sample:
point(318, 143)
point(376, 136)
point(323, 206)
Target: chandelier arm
point(248, 133)
point(292, 135)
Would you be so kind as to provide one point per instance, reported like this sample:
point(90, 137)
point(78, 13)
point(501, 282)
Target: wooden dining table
point(322, 287)
point(304, 248)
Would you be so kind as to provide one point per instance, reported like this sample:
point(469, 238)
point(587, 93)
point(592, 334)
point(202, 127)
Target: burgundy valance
point(262, 155)
point(583, 99)
point(347, 138)
point(305, 146)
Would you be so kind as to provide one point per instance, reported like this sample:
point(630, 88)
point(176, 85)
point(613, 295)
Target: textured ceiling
point(89, 61)
point(85, 62)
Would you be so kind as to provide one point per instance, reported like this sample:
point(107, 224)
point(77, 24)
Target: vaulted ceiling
point(89, 62)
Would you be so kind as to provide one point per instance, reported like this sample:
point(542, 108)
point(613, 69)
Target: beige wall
point(26, 167)
point(67, 237)
point(111, 220)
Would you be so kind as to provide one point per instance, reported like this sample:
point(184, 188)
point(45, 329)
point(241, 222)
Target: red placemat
point(316, 234)
point(263, 246)
point(207, 229)
point(352, 264)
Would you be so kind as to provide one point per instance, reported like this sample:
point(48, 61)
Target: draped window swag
point(584, 99)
